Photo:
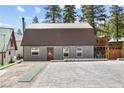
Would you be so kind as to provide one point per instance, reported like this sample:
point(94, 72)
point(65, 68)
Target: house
point(116, 48)
point(57, 41)
point(18, 38)
point(7, 44)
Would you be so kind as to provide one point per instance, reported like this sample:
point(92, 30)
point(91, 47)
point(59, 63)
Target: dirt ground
point(9, 77)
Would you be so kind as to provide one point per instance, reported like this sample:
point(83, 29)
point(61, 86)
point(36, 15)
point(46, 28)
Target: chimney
point(23, 24)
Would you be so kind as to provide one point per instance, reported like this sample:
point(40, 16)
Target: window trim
point(79, 52)
point(38, 52)
point(63, 52)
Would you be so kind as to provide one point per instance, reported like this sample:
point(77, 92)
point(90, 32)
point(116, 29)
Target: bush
point(19, 57)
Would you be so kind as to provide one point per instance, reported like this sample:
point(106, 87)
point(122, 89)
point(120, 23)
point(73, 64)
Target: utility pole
point(3, 49)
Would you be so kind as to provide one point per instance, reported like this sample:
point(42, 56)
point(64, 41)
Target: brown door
point(50, 54)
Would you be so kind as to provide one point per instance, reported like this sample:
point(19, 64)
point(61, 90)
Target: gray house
point(57, 41)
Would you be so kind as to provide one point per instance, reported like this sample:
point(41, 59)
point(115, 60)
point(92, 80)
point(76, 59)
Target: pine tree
point(116, 21)
point(53, 14)
point(35, 20)
point(69, 14)
point(19, 32)
point(93, 14)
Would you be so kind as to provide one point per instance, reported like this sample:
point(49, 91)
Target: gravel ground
point(81, 75)
point(9, 77)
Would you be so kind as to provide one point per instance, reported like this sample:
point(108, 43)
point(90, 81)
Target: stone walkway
point(82, 74)
point(9, 77)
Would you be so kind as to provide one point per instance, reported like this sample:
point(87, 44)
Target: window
point(35, 51)
point(65, 52)
point(78, 52)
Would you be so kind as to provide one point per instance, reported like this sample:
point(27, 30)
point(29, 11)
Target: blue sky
point(10, 16)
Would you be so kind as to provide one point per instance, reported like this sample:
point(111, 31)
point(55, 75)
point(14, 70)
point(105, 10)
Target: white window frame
point(66, 52)
point(38, 50)
point(77, 51)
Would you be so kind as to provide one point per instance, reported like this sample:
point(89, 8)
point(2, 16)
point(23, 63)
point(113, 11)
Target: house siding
point(88, 52)
point(7, 55)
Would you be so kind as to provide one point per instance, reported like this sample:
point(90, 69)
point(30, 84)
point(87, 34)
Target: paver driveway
point(82, 74)
point(9, 76)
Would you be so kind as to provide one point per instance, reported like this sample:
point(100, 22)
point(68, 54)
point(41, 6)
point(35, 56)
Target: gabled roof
point(58, 25)
point(5, 35)
point(115, 40)
point(58, 37)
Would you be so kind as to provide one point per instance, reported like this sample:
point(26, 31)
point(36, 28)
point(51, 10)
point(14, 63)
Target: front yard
point(66, 74)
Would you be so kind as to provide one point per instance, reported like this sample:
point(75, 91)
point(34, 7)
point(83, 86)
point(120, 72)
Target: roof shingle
point(58, 37)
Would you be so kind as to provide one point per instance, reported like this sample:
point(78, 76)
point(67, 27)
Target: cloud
point(5, 25)
point(37, 9)
point(20, 9)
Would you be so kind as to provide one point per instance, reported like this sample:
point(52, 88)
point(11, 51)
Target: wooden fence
point(110, 52)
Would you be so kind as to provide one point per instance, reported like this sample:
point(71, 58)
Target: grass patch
point(32, 73)
point(5, 63)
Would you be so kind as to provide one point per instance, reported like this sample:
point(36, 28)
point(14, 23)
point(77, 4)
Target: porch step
point(85, 59)
point(57, 60)
point(80, 59)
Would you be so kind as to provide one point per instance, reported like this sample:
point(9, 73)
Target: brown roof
point(58, 37)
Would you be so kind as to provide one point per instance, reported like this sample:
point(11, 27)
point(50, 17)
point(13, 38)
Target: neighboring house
point(115, 40)
point(7, 44)
point(19, 37)
point(56, 41)
point(116, 48)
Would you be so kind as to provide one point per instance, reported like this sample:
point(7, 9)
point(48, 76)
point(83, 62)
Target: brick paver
point(9, 77)
point(82, 74)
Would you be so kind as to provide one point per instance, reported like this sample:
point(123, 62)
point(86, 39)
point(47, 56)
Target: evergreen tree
point(35, 20)
point(69, 14)
point(116, 21)
point(53, 14)
point(94, 15)
point(19, 32)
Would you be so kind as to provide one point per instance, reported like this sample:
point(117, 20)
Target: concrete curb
point(6, 66)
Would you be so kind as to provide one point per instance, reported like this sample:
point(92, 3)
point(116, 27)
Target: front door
point(50, 55)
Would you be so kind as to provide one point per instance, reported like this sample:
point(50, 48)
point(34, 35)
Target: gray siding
point(88, 52)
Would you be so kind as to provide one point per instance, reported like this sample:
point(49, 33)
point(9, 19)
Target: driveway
point(66, 75)
point(9, 76)
point(82, 74)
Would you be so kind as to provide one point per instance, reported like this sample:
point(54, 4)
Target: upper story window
point(79, 52)
point(66, 52)
point(35, 51)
